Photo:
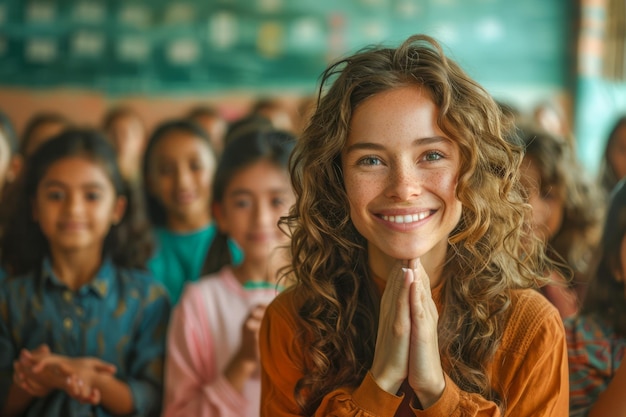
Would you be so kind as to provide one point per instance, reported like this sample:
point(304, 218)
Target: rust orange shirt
point(529, 369)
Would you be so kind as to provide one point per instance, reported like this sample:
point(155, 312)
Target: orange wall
point(86, 107)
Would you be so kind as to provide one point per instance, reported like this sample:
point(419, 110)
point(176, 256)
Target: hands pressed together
point(407, 344)
point(39, 372)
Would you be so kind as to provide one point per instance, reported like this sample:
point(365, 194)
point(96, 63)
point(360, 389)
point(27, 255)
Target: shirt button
point(67, 296)
point(67, 323)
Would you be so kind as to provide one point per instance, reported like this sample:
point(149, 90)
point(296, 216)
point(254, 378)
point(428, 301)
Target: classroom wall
point(81, 56)
point(599, 102)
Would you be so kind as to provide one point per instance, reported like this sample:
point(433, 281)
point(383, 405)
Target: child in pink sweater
point(212, 351)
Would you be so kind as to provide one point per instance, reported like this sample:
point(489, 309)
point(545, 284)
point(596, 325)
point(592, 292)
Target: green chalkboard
point(143, 46)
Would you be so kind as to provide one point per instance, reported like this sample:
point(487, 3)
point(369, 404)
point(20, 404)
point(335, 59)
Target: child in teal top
point(181, 255)
point(178, 169)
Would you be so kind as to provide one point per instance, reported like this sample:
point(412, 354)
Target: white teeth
point(408, 218)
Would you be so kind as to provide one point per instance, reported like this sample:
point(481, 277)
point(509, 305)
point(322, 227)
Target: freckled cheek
point(444, 184)
point(359, 191)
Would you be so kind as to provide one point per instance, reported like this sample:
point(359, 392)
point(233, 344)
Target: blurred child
point(213, 123)
point(567, 212)
point(613, 165)
point(40, 128)
point(247, 124)
point(212, 360)
point(275, 110)
point(178, 169)
point(127, 133)
point(596, 337)
point(82, 326)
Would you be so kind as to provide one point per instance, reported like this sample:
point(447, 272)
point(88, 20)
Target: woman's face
point(547, 203)
point(400, 171)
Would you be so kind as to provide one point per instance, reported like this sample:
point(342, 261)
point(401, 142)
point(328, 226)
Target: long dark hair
point(34, 123)
point(23, 244)
point(605, 294)
point(271, 145)
point(155, 210)
point(608, 176)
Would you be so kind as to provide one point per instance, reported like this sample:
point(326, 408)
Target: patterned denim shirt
point(121, 317)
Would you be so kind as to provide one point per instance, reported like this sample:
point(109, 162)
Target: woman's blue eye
point(369, 160)
point(433, 156)
point(277, 202)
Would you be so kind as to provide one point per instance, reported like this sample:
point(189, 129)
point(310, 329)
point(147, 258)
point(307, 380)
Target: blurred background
point(82, 57)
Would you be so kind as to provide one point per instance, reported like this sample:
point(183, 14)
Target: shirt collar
point(99, 285)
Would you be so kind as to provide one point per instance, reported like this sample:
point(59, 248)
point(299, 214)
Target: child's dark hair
point(117, 112)
point(155, 210)
point(202, 111)
point(274, 146)
point(35, 123)
point(605, 294)
point(608, 176)
point(24, 245)
point(251, 123)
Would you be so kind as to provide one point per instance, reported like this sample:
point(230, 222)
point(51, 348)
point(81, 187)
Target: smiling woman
point(407, 234)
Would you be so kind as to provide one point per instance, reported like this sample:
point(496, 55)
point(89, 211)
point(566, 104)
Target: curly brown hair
point(490, 251)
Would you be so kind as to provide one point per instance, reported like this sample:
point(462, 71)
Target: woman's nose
point(405, 182)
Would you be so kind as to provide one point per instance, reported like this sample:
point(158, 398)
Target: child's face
point(547, 204)
point(617, 152)
point(400, 172)
point(254, 200)
point(76, 204)
point(180, 176)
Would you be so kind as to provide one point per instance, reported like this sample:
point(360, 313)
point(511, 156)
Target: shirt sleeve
point(192, 386)
point(145, 376)
point(540, 383)
point(589, 353)
point(536, 374)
